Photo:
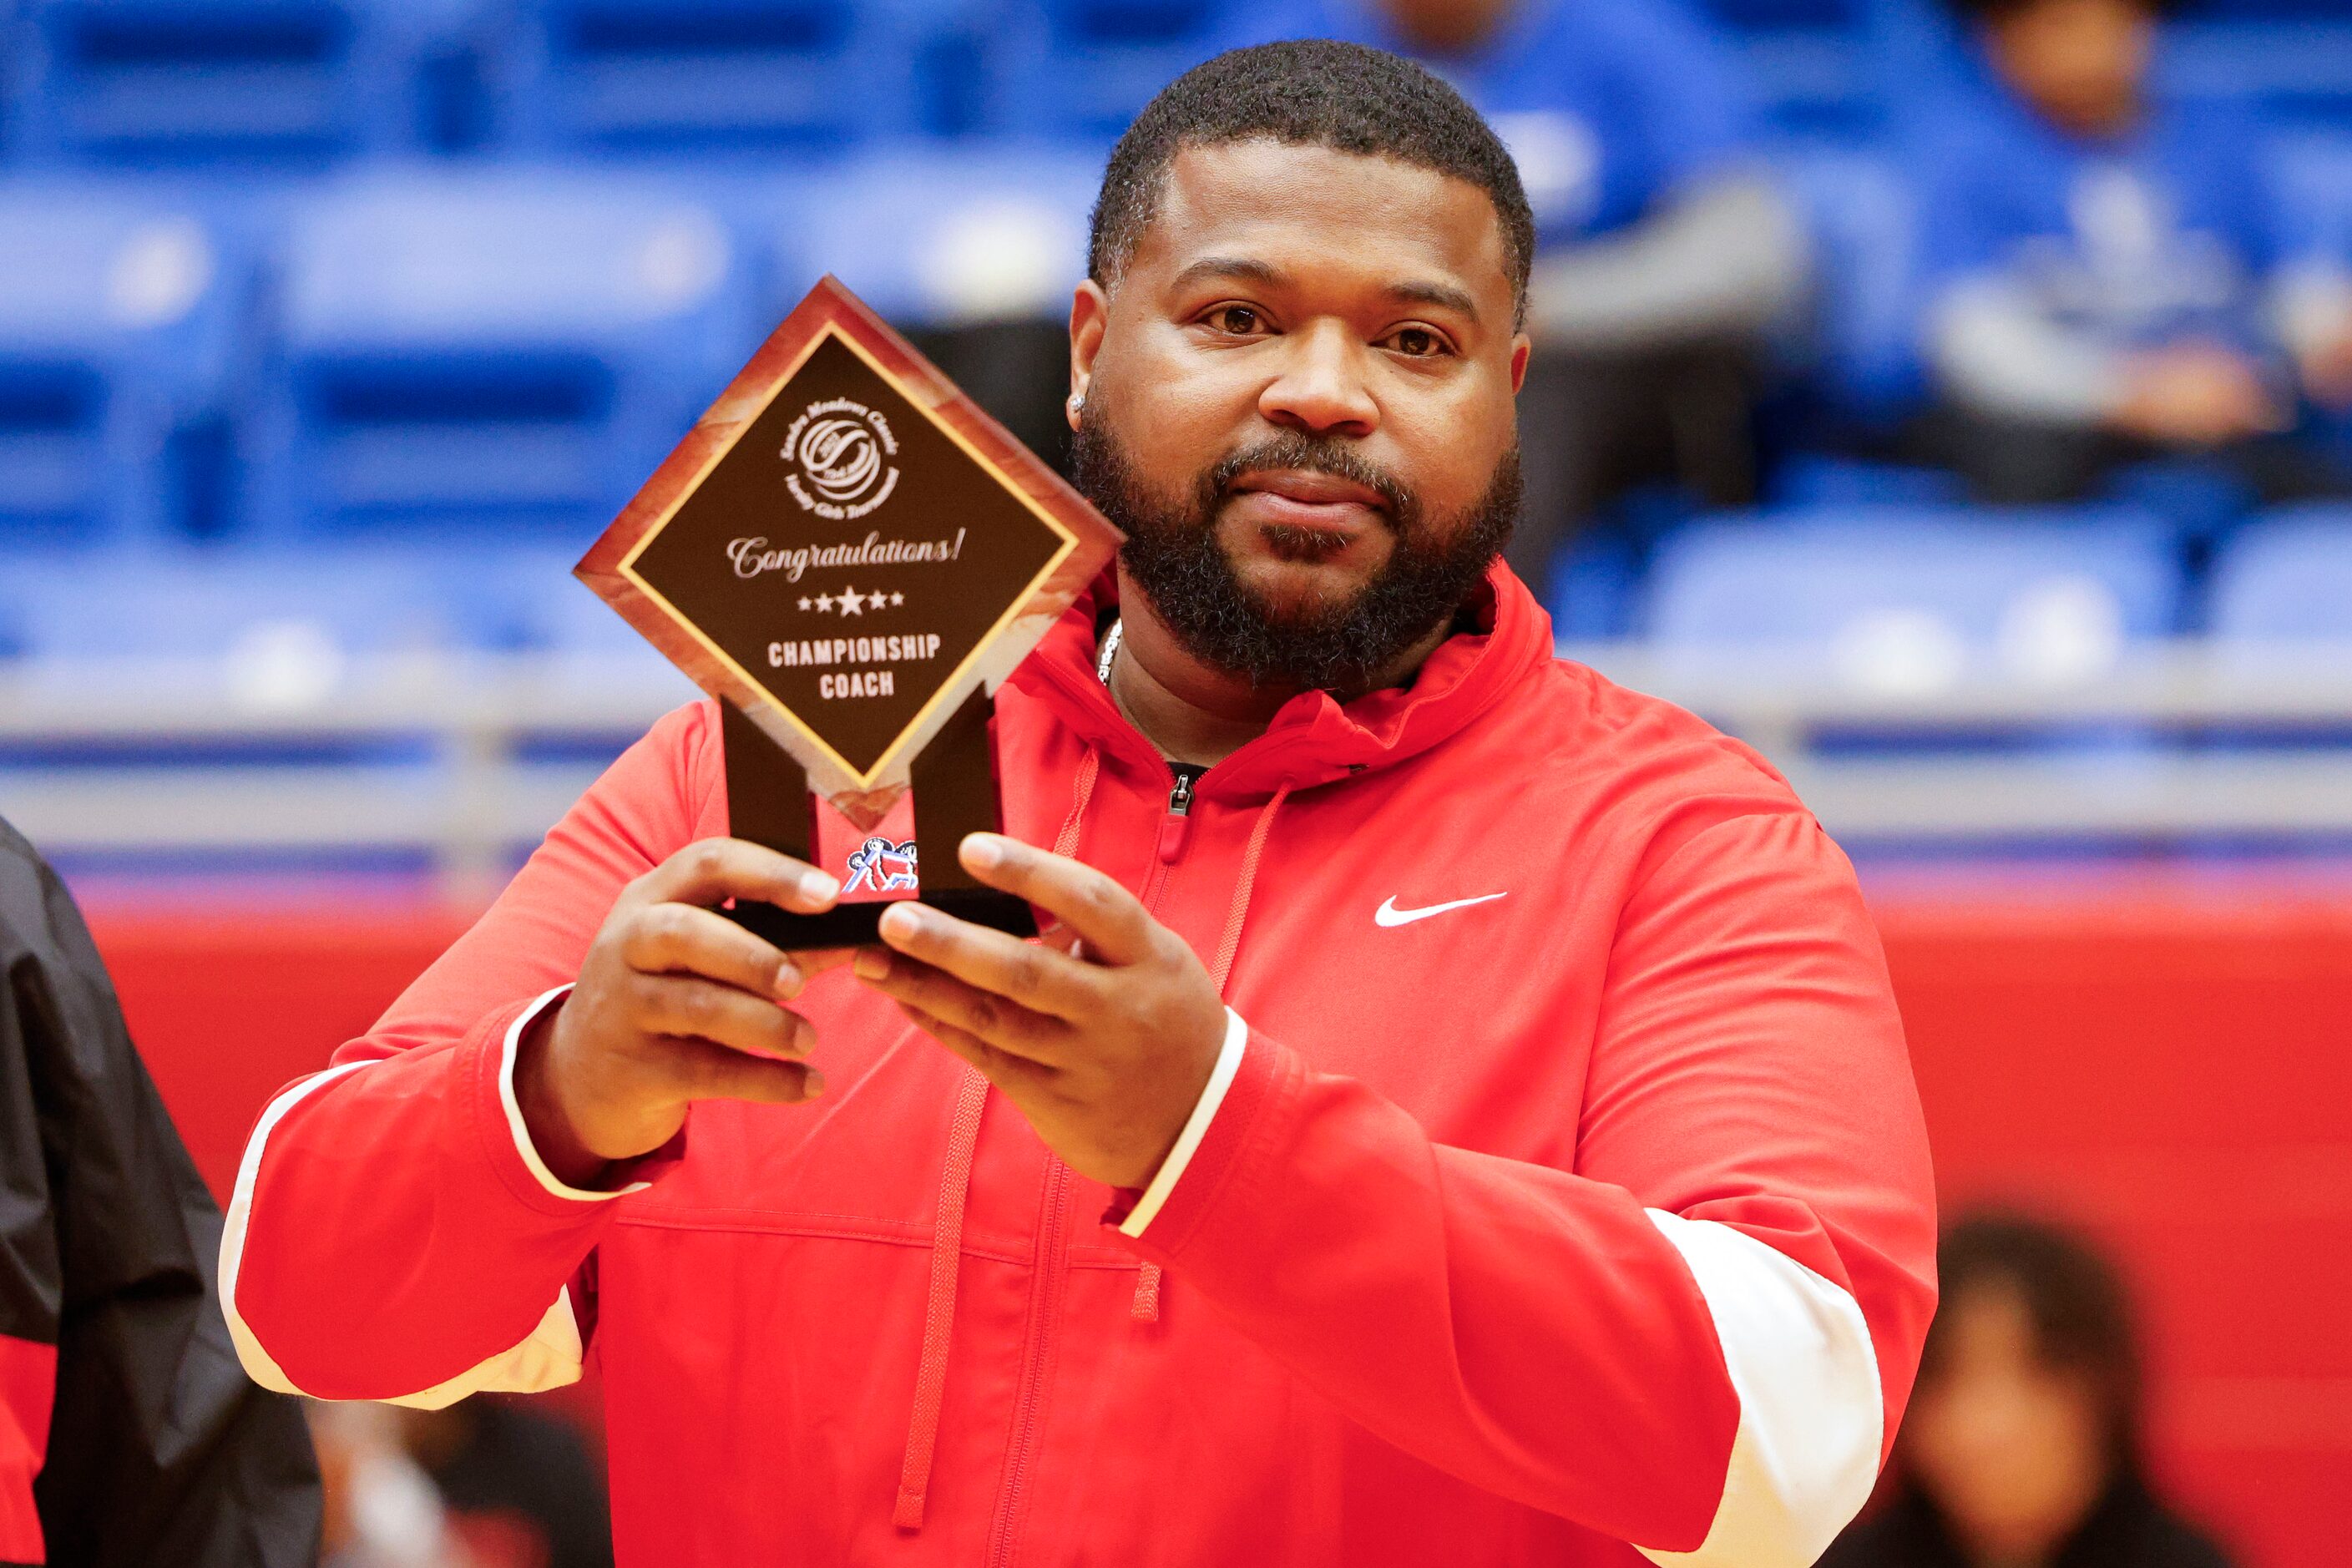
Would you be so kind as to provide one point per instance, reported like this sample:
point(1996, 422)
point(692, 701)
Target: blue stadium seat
point(1862, 216)
point(1822, 478)
point(1764, 16)
point(2282, 587)
point(1590, 589)
point(1918, 65)
point(490, 351)
point(180, 617)
point(2261, 10)
point(175, 80)
point(12, 73)
point(1802, 59)
point(944, 236)
point(1907, 602)
point(666, 75)
point(121, 312)
point(2298, 68)
point(178, 614)
point(1084, 68)
point(2312, 174)
point(525, 600)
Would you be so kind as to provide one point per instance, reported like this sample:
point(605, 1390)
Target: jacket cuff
point(506, 1140)
point(1224, 1165)
point(1131, 1218)
point(628, 1176)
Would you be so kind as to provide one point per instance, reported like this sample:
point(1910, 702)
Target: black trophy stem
point(955, 790)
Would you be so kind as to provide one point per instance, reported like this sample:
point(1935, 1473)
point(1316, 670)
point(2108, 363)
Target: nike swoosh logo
point(1388, 914)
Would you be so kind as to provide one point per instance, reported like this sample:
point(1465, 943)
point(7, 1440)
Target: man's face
point(1298, 401)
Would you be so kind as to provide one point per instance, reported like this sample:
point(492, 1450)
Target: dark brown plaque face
point(845, 548)
point(848, 555)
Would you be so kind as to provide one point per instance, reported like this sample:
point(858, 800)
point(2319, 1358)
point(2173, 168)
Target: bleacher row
point(477, 358)
point(441, 345)
point(1883, 601)
point(1910, 602)
point(501, 347)
point(178, 80)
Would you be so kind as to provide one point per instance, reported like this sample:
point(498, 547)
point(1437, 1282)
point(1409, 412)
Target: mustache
point(1323, 455)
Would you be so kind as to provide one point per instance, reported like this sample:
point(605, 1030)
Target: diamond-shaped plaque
point(846, 549)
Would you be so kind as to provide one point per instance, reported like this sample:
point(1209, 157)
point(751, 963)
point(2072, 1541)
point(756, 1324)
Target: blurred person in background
point(520, 1484)
point(482, 1484)
point(1666, 250)
point(382, 1511)
point(2023, 1447)
point(2106, 282)
point(129, 1435)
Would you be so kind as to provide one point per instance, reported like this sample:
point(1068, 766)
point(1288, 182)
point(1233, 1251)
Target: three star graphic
point(850, 602)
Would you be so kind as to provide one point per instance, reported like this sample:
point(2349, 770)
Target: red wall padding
point(2178, 1077)
point(2175, 1076)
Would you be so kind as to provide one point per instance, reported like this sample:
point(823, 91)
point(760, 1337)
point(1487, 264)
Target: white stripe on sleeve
point(513, 1108)
point(259, 1366)
point(1196, 1126)
point(549, 1357)
point(1799, 1352)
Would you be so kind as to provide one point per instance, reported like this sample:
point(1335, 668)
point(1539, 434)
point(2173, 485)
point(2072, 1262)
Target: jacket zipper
point(1175, 832)
point(1045, 1304)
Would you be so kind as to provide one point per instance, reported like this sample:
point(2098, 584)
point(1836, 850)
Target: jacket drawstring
point(947, 1236)
point(955, 1176)
point(1230, 944)
point(939, 1311)
point(1146, 1307)
point(1065, 843)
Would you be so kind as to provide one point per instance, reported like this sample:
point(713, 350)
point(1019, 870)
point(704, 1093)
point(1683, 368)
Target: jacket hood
point(1313, 739)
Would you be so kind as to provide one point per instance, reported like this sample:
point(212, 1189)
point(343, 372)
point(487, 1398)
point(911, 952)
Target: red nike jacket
point(1569, 1195)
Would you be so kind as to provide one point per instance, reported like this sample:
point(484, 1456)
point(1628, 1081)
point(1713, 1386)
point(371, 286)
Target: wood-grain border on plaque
point(922, 721)
point(831, 309)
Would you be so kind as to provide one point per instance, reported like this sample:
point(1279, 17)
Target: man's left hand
point(1106, 1048)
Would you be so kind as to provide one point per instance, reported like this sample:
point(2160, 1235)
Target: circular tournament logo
point(840, 453)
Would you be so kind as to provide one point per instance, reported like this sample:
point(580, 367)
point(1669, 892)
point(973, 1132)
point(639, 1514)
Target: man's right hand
point(674, 1004)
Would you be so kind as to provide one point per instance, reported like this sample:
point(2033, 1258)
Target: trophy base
point(856, 925)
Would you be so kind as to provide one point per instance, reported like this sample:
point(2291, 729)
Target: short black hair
point(2075, 1301)
point(1309, 93)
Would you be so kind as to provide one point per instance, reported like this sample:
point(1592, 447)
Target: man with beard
point(1459, 1116)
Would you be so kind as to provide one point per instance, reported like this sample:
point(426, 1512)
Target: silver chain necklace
point(1110, 651)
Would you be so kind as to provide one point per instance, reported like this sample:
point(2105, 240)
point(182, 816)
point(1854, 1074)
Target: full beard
point(1334, 644)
